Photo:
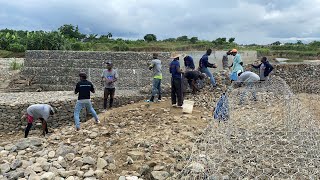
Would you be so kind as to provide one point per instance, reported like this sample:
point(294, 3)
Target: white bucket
point(187, 106)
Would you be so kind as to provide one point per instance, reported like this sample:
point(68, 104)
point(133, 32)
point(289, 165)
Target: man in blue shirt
point(188, 63)
point(204, 65)
point(176, 83)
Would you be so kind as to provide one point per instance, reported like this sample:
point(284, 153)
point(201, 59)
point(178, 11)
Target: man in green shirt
point(157, 77)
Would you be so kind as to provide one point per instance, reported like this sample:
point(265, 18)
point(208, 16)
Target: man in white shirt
point(38, 111)
point(248, 78)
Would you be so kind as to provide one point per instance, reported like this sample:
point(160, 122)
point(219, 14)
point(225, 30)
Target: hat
point(175, 55)
point(234, 50)
point(108, 62)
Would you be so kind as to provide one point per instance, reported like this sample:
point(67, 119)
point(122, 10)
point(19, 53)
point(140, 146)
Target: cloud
point(249, 21)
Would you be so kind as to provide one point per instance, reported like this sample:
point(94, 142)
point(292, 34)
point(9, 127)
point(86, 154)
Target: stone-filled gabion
point(13, 105)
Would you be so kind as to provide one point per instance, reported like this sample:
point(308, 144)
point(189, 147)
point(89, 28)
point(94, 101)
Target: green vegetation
point(13, 43)
point(14, 65)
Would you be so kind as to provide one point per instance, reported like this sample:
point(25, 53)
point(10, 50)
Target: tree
point(182, 38)
point(299, 42)
point(169, 40)
point(231, 40)
point(193, 40)
point(109, 35)
point(150, 37)
point(277, 43)
point(69, 31)
point(220, 41)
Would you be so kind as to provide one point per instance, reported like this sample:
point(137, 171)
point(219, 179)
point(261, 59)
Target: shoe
point(174, 105)
point(179, 106)
point(104, 110)
point(77, 129)
point(148, 101)
point(97, 122)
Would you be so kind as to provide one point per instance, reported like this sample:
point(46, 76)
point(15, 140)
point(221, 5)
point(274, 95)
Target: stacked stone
point(58, 70)
point(14, 105)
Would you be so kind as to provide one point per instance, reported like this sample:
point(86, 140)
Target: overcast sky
point(249, 21)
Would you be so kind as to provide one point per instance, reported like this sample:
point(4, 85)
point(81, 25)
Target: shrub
point(77, 46)
point(120, 46)
point(16, 47)
point(14, 65)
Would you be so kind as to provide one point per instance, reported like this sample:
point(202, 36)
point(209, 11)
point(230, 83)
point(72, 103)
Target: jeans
point(156, 87)
point(176, 91)
point(209, 74)
point(79, 106)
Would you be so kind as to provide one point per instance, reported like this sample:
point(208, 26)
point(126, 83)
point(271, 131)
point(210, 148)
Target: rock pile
point(146, 141)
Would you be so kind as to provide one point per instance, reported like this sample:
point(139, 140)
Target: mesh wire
point(271, 132)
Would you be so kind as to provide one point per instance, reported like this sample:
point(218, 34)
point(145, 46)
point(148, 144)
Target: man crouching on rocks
point(38, 111)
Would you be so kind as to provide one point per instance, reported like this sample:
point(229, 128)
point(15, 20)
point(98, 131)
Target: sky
point(249, 21)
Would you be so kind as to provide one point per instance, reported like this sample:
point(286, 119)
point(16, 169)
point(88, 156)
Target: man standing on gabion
point(265, 68)
point(109, 77)
point(84, 87)
point(157, 77)
point(225, 60)
point(38, 111)
point(204, 66)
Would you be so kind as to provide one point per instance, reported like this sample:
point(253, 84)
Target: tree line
point(68, 37)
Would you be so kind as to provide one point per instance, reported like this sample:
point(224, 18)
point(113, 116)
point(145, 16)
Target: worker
point(236, 65)
point(248, 79)
point(193, 77)
point(38, 111)
point(204, 66)
point(176, 81)
point(157, 77)
point(188, 63)
point(225, 60)
point(83, 89)
point(265, 68)
point(109, 77)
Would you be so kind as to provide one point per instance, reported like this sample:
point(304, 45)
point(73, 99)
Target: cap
point(82, 74)
point(109, 63)
point(234, 50)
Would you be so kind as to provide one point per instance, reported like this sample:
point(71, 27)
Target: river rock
point(88, 160)
point(47, 176)
point(160, 175)
point(101, 163)
point(64, 150)
point(15, 164)
point(5, 167)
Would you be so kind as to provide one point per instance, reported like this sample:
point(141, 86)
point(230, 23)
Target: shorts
point(29, 118)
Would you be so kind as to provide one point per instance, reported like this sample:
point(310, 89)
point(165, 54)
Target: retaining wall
point(58, 70)
point(13, 104)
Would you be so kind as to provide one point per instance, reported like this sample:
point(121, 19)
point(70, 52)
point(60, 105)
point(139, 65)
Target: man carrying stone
point(157, 76)
point(109, 77)
point(83, 89)
point(38, 111)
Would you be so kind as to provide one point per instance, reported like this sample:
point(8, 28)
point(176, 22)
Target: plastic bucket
point(187, 106)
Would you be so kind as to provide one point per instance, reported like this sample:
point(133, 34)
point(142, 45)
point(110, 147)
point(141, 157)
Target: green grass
point(9, 54)
point(14, 65)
